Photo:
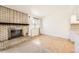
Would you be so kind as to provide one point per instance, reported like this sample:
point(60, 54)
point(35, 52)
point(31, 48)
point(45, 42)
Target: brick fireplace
point(13, 25)
point(10, 34)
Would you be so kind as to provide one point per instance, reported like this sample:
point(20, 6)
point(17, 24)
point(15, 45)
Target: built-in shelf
point(5, 23)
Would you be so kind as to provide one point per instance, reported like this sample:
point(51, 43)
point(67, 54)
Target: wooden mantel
point(6, 23)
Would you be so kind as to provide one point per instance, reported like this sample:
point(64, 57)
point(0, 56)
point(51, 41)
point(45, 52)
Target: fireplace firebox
point(14, 33)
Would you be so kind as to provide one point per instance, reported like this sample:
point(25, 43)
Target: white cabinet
point(74, 19)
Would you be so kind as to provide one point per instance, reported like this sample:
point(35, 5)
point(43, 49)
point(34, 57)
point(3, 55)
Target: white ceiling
point(40, 10)
point(22, 8)
point(49, 9)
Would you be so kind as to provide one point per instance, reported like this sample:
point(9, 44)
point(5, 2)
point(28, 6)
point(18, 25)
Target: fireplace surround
point(12, 35)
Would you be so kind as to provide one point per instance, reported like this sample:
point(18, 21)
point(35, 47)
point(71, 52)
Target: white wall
point(58, 23)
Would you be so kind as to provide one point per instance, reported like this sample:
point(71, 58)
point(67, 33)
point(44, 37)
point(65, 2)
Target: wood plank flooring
point(56, 44)
point(43, 44)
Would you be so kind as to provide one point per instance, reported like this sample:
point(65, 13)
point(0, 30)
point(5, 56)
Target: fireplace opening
point(14, 33)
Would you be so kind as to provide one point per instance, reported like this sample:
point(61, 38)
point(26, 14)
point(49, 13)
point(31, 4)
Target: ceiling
point(22, 8)
point(40, 10)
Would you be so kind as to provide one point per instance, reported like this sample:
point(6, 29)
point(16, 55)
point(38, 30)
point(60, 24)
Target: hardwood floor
point(56, 44)
point(43, 44)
